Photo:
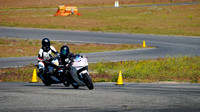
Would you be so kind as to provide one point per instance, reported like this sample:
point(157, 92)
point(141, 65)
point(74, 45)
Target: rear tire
point(72, 81)
point(46, 83)
point(76, 86)
point(46, 80)
point(66, 83)
point(88, 81)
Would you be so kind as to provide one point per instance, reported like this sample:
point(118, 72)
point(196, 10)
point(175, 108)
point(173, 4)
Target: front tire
point(88, 81)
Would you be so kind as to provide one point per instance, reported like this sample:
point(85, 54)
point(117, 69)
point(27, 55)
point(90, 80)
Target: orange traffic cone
point(120, 80)
point(34, 77)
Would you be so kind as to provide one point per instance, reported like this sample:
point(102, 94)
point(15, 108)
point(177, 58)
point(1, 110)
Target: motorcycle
point(74, 73)
point(79, 75)
point(55, 73)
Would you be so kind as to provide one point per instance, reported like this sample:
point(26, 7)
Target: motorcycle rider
point(65, 55)
point(65, 60)
point(45, 56)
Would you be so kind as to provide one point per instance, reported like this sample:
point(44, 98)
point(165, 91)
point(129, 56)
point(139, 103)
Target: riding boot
point(40, 74)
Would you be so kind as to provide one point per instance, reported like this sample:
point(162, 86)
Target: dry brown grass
point(18, 74)
point(16, 47)
point(55, 3)
point(168, 20)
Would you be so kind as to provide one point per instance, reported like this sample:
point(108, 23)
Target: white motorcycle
point(79, 75)
point(74, 73)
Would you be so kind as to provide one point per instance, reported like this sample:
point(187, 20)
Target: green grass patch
point(181, 69)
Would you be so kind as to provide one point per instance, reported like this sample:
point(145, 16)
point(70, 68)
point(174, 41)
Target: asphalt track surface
point(21, 97)
point(165, 46)
point(139, 97)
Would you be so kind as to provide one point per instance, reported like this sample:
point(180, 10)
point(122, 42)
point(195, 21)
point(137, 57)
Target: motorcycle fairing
point(74, 75)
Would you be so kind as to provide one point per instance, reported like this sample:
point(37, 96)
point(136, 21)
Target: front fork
point(80, 75)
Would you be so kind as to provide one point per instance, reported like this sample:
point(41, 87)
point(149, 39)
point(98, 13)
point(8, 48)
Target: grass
point(19, 74)
point(16, 4)
point(181, 69)
point(16, 47)
point(164, 20)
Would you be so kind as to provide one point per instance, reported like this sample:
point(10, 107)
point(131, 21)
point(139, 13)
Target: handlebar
point(61, 65)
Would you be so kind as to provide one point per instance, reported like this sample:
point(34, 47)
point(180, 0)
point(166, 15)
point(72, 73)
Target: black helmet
point(46, 44)
point(64, 51)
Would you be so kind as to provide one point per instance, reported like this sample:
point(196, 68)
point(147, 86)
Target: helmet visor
point(47, 48)
point(64, 52)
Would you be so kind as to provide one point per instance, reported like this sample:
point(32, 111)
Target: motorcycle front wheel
point(88, 81)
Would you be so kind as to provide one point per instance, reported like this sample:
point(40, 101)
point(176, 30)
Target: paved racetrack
point(20, 97)
point(165, 45)
point(151, 97)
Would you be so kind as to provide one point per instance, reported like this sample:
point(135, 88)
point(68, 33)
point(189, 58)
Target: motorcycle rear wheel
point(46, 83)
point(66, 83)
point(88, 81)
point(75, 86)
